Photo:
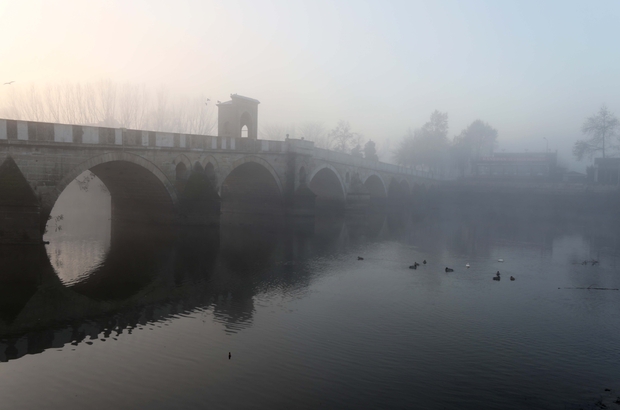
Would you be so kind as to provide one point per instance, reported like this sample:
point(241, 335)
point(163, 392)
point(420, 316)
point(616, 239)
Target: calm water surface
point(124, 318)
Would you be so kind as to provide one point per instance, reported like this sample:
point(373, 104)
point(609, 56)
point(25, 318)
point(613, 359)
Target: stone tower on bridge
point(235, 114)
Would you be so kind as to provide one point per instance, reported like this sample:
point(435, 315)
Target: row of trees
point(109, 104)
point(429, 148)
point(341, 138)
point(602, 135)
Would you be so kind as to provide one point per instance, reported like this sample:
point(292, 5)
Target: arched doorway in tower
point(245, 122)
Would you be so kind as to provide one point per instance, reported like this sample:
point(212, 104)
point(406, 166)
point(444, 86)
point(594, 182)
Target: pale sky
point(531, 69)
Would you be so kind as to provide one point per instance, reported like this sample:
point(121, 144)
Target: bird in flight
point(8, 83)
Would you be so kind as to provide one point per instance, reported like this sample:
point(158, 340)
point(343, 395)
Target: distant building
point(605, 171)
point(526, 165)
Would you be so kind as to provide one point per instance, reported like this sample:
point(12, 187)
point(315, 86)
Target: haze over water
point(129, 319)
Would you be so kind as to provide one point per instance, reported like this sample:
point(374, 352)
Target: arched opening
point(110, 197)
point(251, 188)
point(375, 187)
point(138, 196)
point(405, 190)
point(199, 203)
point(394, 190)
point(211, 176)
point(181, 176)
point(328, 190)
point(79, 228)
point(181, 172)
point(245, 122)
point(19, 206)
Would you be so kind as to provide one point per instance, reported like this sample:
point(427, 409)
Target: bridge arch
point(405, 188)
point(251, 186)
point(139, 190)
point(375, 186)
point(395, 191)
point(182, 159)
point(327, 185)
point(211, 168)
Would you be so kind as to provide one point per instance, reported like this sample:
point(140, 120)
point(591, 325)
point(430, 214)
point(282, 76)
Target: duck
point(467, 265)
point(512, 278)
point(359, 258)
point(449, 270)
point(496, 278)
point(424, 261)
point(414, 266)
point(500, 260)
point(497, 274)
point(594, 262)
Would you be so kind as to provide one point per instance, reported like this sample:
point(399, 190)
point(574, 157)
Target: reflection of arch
point(139, 190)
point(259, 161)
point(246, 121)
point(325, 182)
point(375, 185)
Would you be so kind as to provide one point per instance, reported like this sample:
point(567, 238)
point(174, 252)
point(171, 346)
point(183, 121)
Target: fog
point(530, 70)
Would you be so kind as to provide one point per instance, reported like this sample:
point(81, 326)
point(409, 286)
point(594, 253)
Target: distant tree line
point(341, 138)
point(109, 104)
point(428, 148)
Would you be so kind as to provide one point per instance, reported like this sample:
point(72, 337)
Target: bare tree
point(105, 103)
point(426, 146)
point(315, 131)
point(277, 132)
point(602, 128)
point(343, 139)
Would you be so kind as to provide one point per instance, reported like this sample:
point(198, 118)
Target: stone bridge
point(166, 178)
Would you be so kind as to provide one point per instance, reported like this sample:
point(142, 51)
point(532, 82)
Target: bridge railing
point(43, 132)
point(342, 158)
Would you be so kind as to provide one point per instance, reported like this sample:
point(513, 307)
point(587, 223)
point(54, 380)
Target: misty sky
point(531, 69)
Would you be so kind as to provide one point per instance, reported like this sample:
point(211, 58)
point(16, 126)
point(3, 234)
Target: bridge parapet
point(15, 131)
point(347, 159)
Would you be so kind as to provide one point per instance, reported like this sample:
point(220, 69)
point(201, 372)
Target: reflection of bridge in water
point(149, 277)
point(165, 178)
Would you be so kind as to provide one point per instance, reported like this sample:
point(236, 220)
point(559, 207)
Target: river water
point(114, 317)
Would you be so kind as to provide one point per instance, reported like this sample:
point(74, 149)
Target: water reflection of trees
point(151, 275)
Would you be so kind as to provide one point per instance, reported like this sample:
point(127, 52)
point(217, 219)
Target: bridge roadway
point(167, 178)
